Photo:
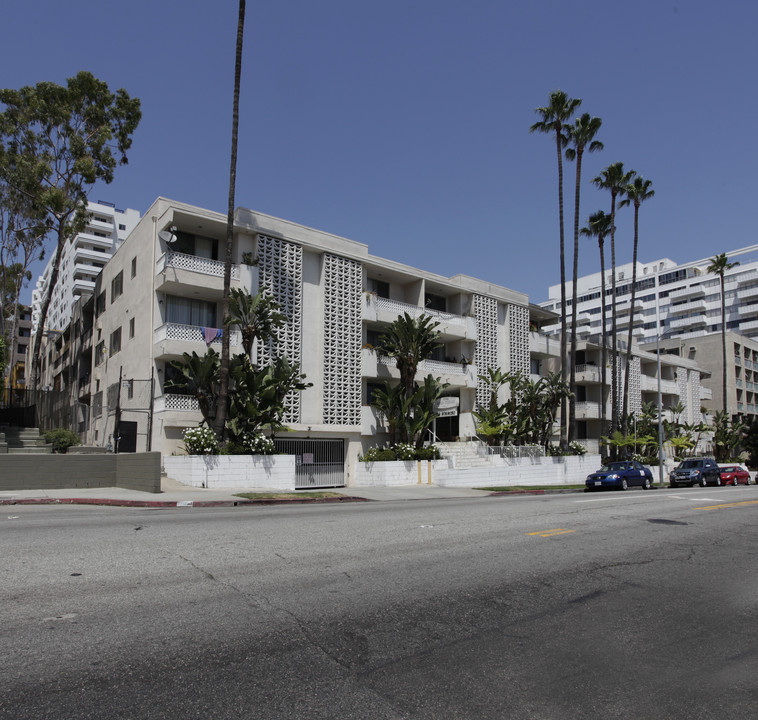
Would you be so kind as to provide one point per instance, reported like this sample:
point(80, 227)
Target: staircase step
point(31, 450)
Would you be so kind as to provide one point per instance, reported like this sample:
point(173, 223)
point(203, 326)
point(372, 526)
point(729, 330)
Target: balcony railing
point(398, 308)
point(181, 403)
point(427, 366)
point(192, 333)
point(194, 263)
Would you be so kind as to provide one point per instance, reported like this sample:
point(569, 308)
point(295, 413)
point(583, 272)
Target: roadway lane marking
point(551, 533)
point(613, 496)
point(728, 505)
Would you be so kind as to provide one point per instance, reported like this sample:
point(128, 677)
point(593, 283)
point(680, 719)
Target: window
point(115, 341)
point(121, 226)
point(130, 390)
point(117, 286)
point(134, 266)
point(97, 404)
point(100, 353)
point(185, 311)
point(100, 304)
point(381, 288)
point(131, 328)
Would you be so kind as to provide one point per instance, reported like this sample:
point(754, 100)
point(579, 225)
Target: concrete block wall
point(233, 472)
point(398, 472)
point(134, 471)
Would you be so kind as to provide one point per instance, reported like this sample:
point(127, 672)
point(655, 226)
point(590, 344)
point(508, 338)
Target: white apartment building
point(156, 300)
point(672, 300)
point(81, 262)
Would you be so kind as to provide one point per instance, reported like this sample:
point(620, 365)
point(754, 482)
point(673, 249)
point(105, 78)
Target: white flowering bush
point(405, 451)
point(257, 444)
point(200, 441)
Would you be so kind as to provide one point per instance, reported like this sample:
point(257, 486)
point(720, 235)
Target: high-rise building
point(82, 260)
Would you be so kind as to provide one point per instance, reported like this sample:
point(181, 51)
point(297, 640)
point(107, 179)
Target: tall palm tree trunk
point(603, 340)
point(223, 394)
point(627, 372)
point(574, 303)
point(614, 354)
point(564, 373)
point(723, 345)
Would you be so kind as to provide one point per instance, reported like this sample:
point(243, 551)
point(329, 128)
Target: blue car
point(621, 474)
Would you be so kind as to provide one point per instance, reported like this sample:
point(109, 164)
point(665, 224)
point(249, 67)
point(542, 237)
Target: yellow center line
point(550, 533)
point(728, 505)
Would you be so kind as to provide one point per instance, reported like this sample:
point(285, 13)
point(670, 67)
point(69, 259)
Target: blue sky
point(404, 124)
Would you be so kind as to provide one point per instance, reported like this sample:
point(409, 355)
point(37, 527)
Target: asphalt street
point(590, 605)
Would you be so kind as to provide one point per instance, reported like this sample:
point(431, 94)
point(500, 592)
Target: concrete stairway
point(465, 454)
point(26, 441)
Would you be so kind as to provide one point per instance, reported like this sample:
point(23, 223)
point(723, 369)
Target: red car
point(734, 475)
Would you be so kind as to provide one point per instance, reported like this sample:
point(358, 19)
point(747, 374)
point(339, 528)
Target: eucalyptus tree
point(554, 117)
point(223, 395)
point(719, 265)
point(599, 226)
point(55, 143)
point(581, 136)
point(614, 179)
point(637, 192)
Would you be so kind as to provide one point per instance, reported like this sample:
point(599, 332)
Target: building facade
point(672, 300)
point(160, 296)
point(741, 370)
point(81, 262)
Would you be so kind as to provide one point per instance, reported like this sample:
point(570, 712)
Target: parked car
point(696, 471)
point(621, 475)
point(734, 475)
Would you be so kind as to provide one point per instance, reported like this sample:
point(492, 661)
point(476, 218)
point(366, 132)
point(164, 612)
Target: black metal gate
point(318, 463)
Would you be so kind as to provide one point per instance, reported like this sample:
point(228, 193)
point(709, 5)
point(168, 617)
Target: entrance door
point(128, 436)
point(318, 463)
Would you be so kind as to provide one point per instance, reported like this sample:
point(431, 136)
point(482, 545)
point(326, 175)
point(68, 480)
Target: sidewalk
point(174, 494)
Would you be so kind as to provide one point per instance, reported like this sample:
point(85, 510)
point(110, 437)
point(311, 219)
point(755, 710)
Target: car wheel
point(747, 482)
point(647, 484)
point(718, 481)
point(624, 484)
point(703, 481)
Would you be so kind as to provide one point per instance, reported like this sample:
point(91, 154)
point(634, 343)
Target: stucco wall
point(236, 472)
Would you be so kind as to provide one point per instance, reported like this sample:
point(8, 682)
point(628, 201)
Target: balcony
point(176, 403)
point(750, 309)
point(174, 339)
point(691, 291)
point(688, 322)
point(544, 346)
point(649, 384)
point(688, 307)
point(451, 327)
point(588, 374)
point(97, 241)
point(623, 308)
point(80, 286)
point(748, 293)
point(374, 365)
point(749, 327)
point(587, 411)
point(181, 274)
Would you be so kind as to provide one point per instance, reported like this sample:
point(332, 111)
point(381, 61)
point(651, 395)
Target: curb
point(176, 503)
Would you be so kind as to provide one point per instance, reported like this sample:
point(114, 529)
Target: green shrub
point(200, 441)
point(378, 455)
point(432, 452)
point(61, 439)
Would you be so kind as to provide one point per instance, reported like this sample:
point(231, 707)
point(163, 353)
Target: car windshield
point(731, 468)
point(615, 466)
point(691, 464)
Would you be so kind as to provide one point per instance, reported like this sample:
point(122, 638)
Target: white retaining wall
point(568, 470)
point(235, 472)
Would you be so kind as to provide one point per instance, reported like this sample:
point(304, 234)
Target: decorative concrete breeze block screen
point(518, 336)
point(280, 270)
point(342, 341)
point(485, 310)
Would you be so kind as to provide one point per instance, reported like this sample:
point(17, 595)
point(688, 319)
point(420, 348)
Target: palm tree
point(554, 116)
point(198, 376)
point(615, 180)
point(599, 225)
point(719, 265)
point(637, 192)
point(257, 317)
point(581, 136)
point(410, 341)
point(223, 393)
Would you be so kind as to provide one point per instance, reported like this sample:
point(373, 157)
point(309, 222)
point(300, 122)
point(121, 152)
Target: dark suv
point(696, 471)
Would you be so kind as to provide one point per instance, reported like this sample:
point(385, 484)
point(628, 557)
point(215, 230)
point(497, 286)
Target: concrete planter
point(397, 472)
point(235, 472)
